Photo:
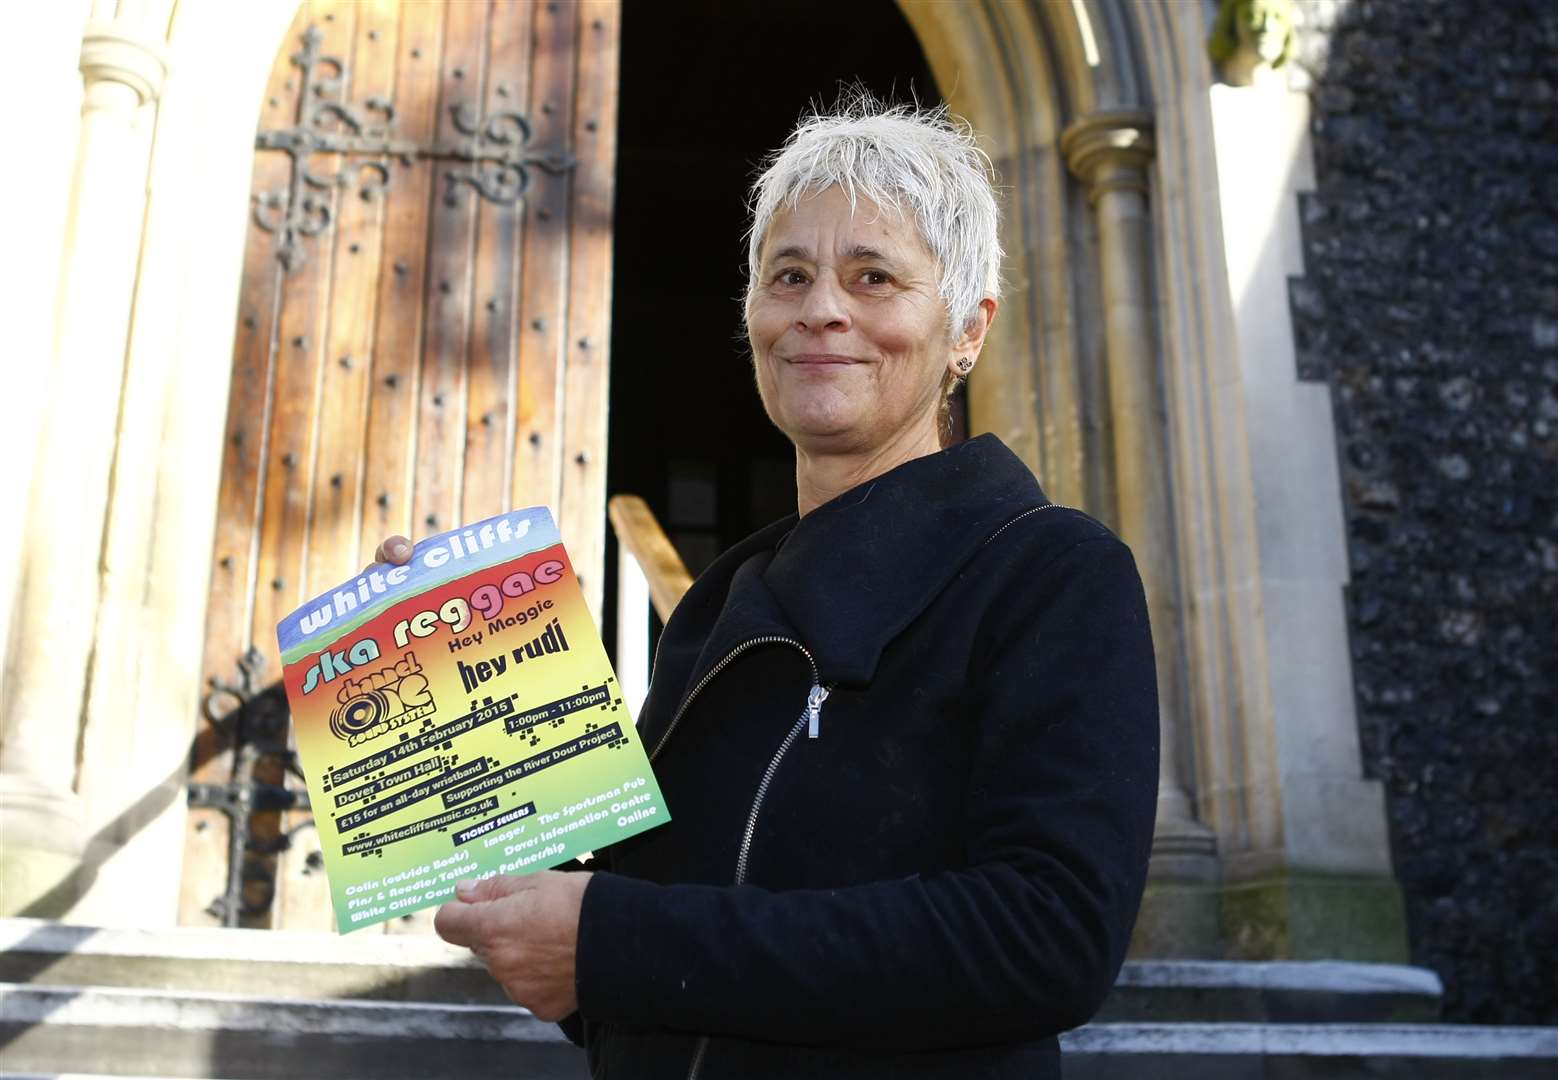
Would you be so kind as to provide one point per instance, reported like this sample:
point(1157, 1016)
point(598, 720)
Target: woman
point(908, 735)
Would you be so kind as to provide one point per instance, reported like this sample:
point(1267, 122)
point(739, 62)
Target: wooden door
point(421, 341)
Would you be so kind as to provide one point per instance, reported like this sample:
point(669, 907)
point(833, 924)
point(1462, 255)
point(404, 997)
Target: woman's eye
point(791, 277)
point(874, 277)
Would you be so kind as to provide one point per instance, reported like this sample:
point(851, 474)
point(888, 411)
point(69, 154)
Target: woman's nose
point(826, 306)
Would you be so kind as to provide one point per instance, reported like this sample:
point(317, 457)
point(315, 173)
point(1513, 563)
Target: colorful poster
point(457, 717)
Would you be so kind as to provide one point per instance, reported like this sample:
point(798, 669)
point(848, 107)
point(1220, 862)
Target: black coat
point(938, 869)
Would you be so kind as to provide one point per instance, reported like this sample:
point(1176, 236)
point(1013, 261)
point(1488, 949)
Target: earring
point(964, 365)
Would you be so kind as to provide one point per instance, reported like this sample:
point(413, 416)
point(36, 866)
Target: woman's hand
point(525, 930)
point(393, 549)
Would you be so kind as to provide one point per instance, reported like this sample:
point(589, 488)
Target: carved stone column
point(41, 816)
point(1111, 153)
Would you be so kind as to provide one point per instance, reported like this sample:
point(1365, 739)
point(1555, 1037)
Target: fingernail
point(399, 549)
point(463, 889)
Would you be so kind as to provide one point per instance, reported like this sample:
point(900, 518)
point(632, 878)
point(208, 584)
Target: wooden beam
point(639, 532)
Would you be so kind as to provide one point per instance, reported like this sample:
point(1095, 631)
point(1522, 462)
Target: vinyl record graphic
point(358, 714)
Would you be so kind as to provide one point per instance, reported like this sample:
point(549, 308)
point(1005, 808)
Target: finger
point(492, 888)
point(394, 549)
point(458, 923)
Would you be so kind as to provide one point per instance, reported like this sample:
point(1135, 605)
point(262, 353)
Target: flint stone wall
point(1430, 306)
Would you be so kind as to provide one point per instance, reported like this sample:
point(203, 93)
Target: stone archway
point(1121, 378)
point(101, 685)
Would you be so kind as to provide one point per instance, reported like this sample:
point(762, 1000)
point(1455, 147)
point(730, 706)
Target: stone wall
point(1430, 306)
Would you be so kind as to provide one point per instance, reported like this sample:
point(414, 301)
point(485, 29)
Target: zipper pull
point(814, 701)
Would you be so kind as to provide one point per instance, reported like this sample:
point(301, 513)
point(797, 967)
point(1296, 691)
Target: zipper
point(1026, 513)
point(814, 699)
point(772, 639)
point(697, 1057)
point(809, 721)
point(750, 831)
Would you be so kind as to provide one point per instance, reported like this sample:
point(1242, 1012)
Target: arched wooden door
point(421, 340)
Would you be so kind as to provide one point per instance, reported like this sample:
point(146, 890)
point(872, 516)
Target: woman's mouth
point(821, 359)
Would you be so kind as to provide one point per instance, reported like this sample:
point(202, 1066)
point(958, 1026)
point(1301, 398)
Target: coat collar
point(858, 569)
point(851, 575)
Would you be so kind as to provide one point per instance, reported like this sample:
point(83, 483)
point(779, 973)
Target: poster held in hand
point(457, 717)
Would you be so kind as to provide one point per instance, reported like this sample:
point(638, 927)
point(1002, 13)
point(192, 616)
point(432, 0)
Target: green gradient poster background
point(459, 718)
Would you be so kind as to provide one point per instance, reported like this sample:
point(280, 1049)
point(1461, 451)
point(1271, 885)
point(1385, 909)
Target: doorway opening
point(707, 90)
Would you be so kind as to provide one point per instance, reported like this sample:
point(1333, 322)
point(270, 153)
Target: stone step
point(49, 1030)
point(1113, 1051)
point(240, 1004)
point(366, 966)
point(1273, 992)
point(63, 1031)
point(420, 968)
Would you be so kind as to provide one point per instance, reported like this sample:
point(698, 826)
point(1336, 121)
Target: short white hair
point(921, 163)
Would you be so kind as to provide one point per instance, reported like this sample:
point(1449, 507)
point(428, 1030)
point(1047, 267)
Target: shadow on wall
point(1430, 307)
point(260, 723)
point(150, 806)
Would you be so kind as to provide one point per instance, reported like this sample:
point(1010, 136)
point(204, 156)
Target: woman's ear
point(965, 348)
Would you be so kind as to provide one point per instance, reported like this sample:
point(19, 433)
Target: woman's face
point(847, 328)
